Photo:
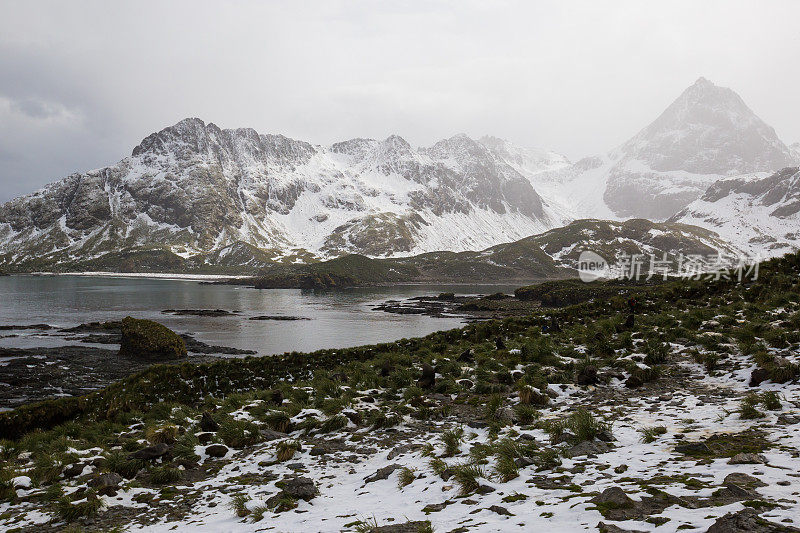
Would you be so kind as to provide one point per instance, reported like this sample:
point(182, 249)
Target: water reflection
point(338, 319)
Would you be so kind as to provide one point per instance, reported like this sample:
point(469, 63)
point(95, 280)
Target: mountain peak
point(398, 142)
point(708, 129)
point(703, 82)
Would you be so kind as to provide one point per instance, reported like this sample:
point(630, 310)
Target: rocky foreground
point(677, 411)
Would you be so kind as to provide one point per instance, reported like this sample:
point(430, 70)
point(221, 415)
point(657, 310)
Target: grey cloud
point(87, 80)
point(39, 109)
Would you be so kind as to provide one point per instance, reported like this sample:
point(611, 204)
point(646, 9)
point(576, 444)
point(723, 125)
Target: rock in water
point(145, 338)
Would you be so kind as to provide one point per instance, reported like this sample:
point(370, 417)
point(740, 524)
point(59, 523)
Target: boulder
point(207, 422)
point(145, 338)
point(743, 480)
point(747, 520)
point(270, 435)
point(299, 488)
point(588, 447)
point(319, 450)
point(74, 470)
point(758, 375)
point(611, 528)
point(693, 448)
point(106, 484)
point(613, 497)
point(21, 482)
point(747, 459)
point(381, 473)
point(587, 375)
point(217, 450)
point(150, 453)
point(204, 437)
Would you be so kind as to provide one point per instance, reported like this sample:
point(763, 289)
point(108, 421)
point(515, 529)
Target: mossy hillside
point(561, 293)
point(495, 374)
point(669, 310)
point(347, 271)
point(612, 239)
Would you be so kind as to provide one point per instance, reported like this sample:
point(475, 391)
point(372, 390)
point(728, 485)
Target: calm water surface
point(338, 319)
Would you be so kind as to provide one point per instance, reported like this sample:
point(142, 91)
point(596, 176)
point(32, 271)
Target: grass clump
point(580, 426)
point(406, 477)
point(506, 467)
point(334, 423)
point(70, 511)
point(452, 439)
point(278, 421)
point(525, 414)
point(650, 434)
point(748, 409)
point(257, 513)
point(165, 474)
point(239, 505)
point(118, 462)
point(48, 467)
point(286, 449)
point(167, 434)
point(238, 433)
point(771, 400)
point(466, 476)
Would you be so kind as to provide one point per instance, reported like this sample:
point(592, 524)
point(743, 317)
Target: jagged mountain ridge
point(706, 134)
point(760, 215)
point(198, 190)
point(239, 198)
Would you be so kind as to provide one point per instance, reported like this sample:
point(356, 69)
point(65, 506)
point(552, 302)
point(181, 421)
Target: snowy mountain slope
point(760, 215)
point(706, 134)
point(550, 255)
point(795, 148)
point(195, 190)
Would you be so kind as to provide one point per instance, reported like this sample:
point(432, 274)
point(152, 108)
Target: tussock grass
point(286, 449)
point(238, 505)
point(238, 433)
point(452, 439)
point(406, 477)
point(165, 474)
point(466, 476)
point(649, 434)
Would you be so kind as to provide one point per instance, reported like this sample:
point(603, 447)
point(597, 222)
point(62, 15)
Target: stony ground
point(682, 418)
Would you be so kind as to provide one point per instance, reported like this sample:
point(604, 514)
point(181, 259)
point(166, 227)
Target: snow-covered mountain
point(197, 190)
point(760, 215)
point(708, 133)
point(795, 148)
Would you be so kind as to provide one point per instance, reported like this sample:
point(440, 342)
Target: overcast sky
point(81, 83)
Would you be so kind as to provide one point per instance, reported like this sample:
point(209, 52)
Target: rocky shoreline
point(474, 307)
point(34, 374)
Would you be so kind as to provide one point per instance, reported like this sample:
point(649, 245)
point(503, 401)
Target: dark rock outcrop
point(747, 521)
point(145, 338)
